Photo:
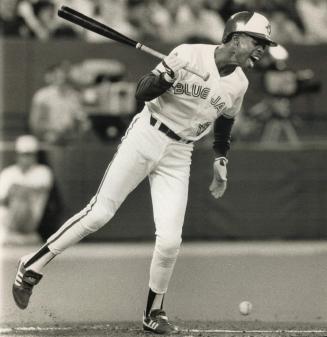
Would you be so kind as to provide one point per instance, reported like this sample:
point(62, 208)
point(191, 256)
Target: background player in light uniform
point(180, 109)
point(24, 192)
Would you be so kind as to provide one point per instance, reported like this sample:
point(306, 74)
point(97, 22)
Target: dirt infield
point(188, 329)
point(285, 282)
point(99, 290)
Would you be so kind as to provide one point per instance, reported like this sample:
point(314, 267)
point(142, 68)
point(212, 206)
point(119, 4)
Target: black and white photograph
point(163, 168)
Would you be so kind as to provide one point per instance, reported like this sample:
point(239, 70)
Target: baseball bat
point(97, 27)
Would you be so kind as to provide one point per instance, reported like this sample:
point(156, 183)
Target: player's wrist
point(168, 78)
point(221, 158)
point(164, 82)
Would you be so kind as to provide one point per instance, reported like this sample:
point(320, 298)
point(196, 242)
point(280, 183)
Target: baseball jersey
point(191, 105)
point(37, 177)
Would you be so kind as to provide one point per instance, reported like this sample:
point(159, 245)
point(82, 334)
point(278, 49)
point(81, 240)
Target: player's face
point(250, 50)
point(26, 160)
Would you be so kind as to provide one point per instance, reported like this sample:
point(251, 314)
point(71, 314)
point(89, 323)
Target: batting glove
point(219, 181)
point(173, 65)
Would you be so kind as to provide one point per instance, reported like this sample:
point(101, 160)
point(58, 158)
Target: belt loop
point(157, 124)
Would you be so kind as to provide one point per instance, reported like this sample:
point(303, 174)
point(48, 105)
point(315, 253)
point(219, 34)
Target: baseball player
point(180, 108)
point(24, 192)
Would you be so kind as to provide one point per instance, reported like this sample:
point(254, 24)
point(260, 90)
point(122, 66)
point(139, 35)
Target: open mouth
point(254, 58)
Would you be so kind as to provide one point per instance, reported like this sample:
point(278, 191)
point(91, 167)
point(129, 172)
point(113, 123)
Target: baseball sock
point(155, 301)
point(39, 259)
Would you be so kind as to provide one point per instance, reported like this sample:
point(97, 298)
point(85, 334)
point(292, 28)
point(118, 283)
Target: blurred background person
point(191, 21)
point(85, 6)
point(41, 21)
point(67, 29)
point(46, 13)
point(229, 7)
point(24, 192)
point(284, 29)
point(115, 14)
point(11, 25)
point(28, 10)
point(146, 18)
point(57, 115)
point(313, 13)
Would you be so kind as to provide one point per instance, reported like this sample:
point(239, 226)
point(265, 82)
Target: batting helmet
point(250, 23)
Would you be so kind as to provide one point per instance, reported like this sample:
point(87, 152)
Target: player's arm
point(25, 10)
point(154, 84)
point(222, 135)
point(151, 86)
point(221, 145)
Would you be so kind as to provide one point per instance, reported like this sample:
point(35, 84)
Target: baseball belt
point(168, 132)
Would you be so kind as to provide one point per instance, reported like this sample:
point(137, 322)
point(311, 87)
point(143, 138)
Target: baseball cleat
point(24, 282)
point(157, 322)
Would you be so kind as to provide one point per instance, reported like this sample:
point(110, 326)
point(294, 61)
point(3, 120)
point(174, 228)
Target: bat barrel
point(97, 27)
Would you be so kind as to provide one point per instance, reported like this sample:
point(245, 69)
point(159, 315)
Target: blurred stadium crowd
point(170, 21)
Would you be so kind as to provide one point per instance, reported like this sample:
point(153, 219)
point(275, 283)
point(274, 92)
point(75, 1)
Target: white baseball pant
point(144, 151)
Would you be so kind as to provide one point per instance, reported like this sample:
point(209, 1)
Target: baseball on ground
point(245, 307)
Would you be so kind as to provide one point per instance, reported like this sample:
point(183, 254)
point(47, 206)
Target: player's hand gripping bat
point(95, 26)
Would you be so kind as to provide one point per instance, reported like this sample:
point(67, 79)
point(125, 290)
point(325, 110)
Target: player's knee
point(100, 213)
point(169, 245)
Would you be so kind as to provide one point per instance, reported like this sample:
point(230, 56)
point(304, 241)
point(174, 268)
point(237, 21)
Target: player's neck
point(63, 88)
point(225, 61)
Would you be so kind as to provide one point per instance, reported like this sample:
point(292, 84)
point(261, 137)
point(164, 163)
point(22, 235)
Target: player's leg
point(169, 191)
point(126, 171)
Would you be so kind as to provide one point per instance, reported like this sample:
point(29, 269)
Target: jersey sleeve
point(180, 51)
point(233, 110)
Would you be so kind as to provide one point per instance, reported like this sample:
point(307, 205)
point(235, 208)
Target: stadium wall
point(272, 193)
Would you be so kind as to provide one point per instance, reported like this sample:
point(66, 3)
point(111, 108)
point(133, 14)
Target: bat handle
point(161, 56)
